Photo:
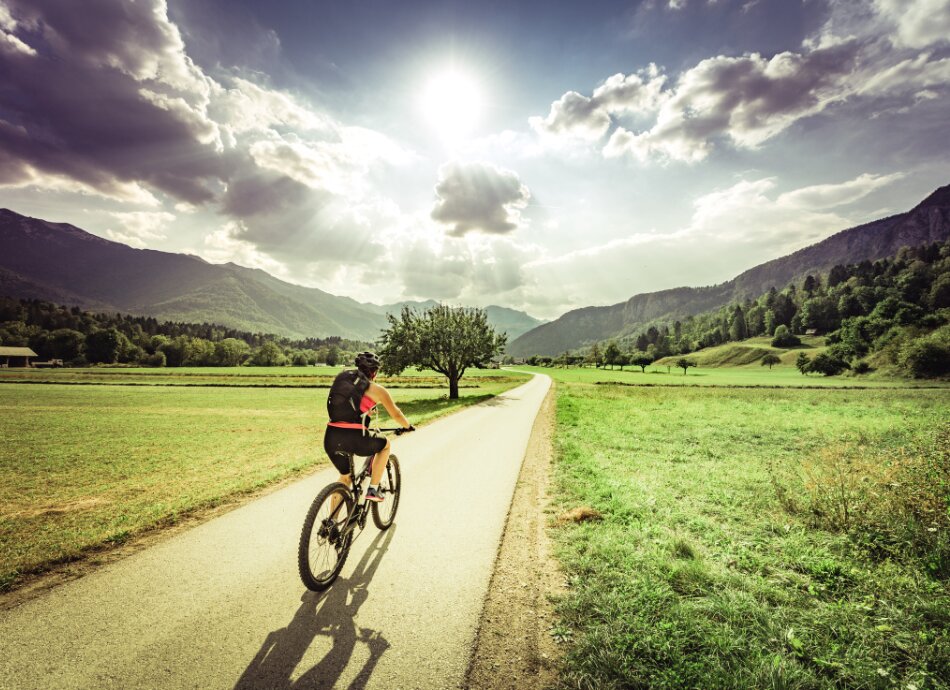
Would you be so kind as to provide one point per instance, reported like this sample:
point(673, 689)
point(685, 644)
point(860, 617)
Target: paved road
point(221, 605)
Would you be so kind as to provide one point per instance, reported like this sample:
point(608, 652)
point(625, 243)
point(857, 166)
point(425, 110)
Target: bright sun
point(452, 104)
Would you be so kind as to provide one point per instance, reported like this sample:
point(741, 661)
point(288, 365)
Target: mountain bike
point(338, 515)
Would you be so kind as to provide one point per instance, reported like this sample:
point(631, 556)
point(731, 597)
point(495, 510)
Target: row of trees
point(79, 338)
point(897, 309)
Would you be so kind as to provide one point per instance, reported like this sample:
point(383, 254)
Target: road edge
point(513, 647)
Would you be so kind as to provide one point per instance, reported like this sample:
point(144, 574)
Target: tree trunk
point(453, 388)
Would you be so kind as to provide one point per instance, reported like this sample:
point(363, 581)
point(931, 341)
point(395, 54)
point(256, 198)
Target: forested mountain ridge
point(926, 223)
point(61, 263)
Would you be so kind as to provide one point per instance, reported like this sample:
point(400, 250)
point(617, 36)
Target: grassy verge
point(84, 467)
point(705, 571)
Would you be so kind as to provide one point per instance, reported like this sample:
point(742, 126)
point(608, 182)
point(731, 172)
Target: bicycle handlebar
point(398, 430)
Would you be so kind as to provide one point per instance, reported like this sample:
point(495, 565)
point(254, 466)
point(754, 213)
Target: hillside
point(61, 263)
point(928, 222)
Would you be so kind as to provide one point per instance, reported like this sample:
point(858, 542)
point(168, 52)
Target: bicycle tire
point(391, 485)
point(312, 542)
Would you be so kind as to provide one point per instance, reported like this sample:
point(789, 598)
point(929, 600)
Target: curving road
point(221, 605)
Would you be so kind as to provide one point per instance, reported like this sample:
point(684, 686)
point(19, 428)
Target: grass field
point(87, 466)
point(738, 376)
point(723, 560)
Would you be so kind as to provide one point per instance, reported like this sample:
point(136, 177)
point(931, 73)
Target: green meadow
point(750, 531)
point(86, 466)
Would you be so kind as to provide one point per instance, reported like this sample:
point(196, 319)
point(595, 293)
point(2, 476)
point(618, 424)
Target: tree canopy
point(445, 339)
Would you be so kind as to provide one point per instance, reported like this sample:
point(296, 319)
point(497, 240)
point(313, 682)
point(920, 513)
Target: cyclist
point(352, 397)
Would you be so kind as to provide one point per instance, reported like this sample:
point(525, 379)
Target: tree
point(231, 352)
point(593, 357)
point(771, 360)
point(104, 346)
point(333, 356)
point(622, 361)
point(448, 340)
point(685, 364)
point(269, 355)
point(641, 360)
point(611, 353)
point(802, 363)
point(769, 321)
point(737, 325)
point(66, 344)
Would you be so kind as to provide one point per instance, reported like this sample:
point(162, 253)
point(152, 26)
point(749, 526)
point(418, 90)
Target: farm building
point(16, 356)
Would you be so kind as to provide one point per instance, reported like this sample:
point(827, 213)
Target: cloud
point(730, 230)
point(918, 23)
point(867, 51)
point(575, 116)
point(747, 99)
point(479, 197)
point(107, 101)
point(140, 228)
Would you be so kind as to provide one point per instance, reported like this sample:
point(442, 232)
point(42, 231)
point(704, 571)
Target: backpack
point(346, 394)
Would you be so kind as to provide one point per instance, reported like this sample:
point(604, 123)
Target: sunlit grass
point(698, 576)
point(84, 466)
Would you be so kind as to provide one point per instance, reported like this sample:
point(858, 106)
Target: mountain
point(927, 222)
point(61, 263)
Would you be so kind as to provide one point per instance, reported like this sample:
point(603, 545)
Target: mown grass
point(702, 574)
point(84, 467)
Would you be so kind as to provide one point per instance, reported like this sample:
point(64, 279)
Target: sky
point(537, 155)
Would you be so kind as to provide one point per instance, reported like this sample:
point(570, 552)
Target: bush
point(862, 367)
point(784, 338)
point(827, 364)
point(156, 360)
point(926, 358)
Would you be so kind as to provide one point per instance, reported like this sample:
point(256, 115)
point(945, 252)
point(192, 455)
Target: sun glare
point(451, 103)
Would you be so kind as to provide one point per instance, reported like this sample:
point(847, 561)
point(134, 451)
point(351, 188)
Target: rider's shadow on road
point(326, 614)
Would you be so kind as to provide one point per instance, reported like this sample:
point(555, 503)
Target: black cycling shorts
point(339, 442)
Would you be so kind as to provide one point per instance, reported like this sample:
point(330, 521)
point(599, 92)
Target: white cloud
point(918, 23)
point(575, 116)
point(140, 228)
point(747, 99)
point(479, 197)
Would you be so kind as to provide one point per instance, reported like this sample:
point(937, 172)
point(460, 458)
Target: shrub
point(156, 360)
point(784, 338)
point(926, 358)
point(862, 367)
point(827, 364)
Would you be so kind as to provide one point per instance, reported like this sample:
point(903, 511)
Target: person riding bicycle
point(352, 397)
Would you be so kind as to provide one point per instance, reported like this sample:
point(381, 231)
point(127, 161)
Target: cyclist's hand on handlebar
point(400, 432)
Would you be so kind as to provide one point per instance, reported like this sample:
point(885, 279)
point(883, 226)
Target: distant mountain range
point(928, 222)
point(61, 263)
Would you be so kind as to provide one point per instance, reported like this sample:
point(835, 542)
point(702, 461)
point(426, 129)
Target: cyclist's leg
point(379, 464)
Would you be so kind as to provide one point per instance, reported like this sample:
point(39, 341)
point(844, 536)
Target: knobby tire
point(319, 552)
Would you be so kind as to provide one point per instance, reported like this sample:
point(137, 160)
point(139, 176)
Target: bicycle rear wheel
point(384, 513)
point(323, 546)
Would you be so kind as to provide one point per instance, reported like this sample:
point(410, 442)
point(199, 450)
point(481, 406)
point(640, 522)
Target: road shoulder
point(513, 647)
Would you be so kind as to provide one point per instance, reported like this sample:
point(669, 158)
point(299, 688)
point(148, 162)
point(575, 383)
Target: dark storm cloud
point(478, 197)
point(107, 98)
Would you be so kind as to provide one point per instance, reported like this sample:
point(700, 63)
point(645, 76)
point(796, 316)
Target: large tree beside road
point(445, 339)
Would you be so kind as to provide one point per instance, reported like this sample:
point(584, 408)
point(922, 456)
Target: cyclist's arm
point(381, 396)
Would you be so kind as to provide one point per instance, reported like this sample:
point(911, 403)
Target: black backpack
point(346, 394)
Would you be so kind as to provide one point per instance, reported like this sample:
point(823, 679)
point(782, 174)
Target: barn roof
point(17, 352)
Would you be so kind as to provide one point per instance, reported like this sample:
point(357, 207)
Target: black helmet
point(367, 362)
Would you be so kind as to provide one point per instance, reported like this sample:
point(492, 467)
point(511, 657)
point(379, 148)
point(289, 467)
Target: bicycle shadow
point(326, 614)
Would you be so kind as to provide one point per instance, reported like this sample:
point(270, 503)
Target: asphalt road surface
point(222, 605)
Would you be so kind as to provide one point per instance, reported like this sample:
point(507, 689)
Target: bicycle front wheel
point(389, 486)
point(324, 545)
